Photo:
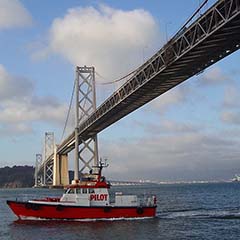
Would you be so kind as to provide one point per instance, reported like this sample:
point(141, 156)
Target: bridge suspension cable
point(189, 20)
point(114, 81)
point(178, 33)
point(69, 109)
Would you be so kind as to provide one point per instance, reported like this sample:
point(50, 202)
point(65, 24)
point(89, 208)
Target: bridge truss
point(210, 38)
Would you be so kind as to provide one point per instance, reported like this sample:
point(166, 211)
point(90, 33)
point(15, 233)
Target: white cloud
point(173, 97)
point(28, 110)
point(213, 76)
point(12, 87)
point(230, 106)
point(231, 117)
point(20, 108)
point(15, 129)
point(112, 40)
point(167, 127)
point(13, 14)
point(231, 97)
point(188, 156)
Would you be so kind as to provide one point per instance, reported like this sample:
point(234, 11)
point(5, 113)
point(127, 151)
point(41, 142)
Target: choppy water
point(185, 211)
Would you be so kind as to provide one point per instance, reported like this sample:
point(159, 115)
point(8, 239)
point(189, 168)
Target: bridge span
point(196, 46)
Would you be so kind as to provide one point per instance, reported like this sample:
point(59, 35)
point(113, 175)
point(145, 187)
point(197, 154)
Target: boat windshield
point(79, 191)
point(70, 191)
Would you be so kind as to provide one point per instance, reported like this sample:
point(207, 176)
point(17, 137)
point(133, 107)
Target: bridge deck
point(209, 39)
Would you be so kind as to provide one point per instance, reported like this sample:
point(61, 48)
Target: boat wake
point(201, 214)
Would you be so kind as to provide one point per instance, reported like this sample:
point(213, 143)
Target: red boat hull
point(25, 210)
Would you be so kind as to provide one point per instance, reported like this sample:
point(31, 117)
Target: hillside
point(16, 177)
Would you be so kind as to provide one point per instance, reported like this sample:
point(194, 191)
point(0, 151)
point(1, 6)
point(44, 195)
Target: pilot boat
point(86, 199)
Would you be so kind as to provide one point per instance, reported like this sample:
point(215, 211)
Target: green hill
point(16, 177)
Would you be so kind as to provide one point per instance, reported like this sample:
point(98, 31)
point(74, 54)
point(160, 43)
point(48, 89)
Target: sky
point(189, 133)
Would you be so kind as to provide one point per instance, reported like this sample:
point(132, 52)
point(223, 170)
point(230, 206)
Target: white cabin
point(97, 197)
point(86, 196)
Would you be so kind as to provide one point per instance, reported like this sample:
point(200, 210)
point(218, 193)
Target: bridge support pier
point(56, 175)
point(60, 173)
point(64, 175)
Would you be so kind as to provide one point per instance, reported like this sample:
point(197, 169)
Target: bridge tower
point(86, 150)
point(48, 165)
point(37, 176)
point(44, 167)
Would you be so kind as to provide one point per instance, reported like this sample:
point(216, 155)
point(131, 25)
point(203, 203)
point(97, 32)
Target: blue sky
point(189, 133)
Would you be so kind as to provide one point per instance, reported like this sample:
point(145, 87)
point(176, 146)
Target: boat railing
point(148, 200)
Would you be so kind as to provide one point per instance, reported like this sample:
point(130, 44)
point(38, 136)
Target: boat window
point(70, 191)
point(84, 190)
point(78, 190)
point(91, 190)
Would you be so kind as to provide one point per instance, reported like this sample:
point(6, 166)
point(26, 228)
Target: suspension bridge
point(204, 39)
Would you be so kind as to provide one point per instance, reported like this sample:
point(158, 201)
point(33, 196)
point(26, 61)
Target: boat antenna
point(103, 162)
